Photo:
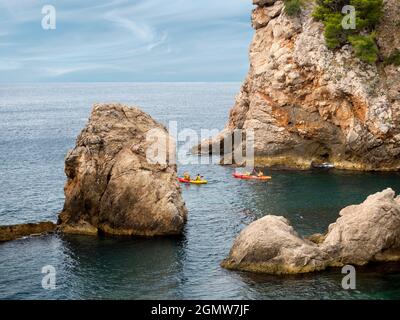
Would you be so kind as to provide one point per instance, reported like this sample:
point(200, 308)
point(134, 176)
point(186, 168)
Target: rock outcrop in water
point(309, 104)
point(369, 232)
point(13, 232)
point(112, 188)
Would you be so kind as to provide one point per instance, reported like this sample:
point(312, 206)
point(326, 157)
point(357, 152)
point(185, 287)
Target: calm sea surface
point(39, 123)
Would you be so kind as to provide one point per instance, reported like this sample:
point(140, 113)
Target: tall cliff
point(307, 103)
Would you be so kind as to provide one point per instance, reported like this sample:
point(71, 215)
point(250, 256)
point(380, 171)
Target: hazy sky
point(137, 40)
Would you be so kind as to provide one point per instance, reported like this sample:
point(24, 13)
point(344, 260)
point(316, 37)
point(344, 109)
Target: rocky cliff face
point(112, 188)
point(369, 232)
point(307, 103)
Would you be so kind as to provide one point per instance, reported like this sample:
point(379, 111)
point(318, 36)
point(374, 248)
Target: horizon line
point(61, 82)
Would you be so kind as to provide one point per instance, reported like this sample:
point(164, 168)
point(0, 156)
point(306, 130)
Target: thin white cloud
point(141, 31)
point(56, 72)
point(144, 38)
point(158, 43)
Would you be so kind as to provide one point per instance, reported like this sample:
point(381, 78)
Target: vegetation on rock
point(368, 14)
point(394, 58)
point(292, 7)
point(365, 47)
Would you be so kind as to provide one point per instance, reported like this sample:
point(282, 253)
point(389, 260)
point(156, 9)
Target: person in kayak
point(186, 176)
point(256, 174)
point(199, 177)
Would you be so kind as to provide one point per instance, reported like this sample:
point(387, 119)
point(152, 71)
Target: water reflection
point(125, 268)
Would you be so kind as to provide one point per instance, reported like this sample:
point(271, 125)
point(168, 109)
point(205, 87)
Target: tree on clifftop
point(368, 14)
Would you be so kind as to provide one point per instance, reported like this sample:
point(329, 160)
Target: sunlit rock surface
point(112, 188)
point(368, 232)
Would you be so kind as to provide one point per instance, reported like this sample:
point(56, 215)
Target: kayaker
point(199, 177)
point(186, 176)
point(256, 174)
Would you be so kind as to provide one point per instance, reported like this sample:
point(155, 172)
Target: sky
point(125, 41)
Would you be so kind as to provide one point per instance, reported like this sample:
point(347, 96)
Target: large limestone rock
point(309, 104)
point(112, 186)
point(366, 232)
point(271, 245)
point(369, 232)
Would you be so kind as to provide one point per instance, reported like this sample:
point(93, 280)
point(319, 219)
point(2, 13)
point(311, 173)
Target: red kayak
point(247, 177)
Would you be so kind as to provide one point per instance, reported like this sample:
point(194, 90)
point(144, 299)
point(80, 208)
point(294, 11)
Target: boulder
point(369, 232)
point(116, 184)
point(12, 232)
point(366, 232)
point(271, 245)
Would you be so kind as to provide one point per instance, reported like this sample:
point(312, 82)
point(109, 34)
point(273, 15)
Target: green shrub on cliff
point(365, 47)
point(394, 58)
point(368, 14)
point(292, 7)
point(334, 35)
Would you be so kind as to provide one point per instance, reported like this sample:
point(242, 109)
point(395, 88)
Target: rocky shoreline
point(369, 232)
point(14, 232)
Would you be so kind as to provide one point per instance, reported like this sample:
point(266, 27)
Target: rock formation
point(309, 104)
point(8, 233)
point(112, 186)
point(369, 232)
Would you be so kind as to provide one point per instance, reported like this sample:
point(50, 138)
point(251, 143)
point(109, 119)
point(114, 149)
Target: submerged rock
point(369, 232)
point(308, 104)
point(13, 232)
point(112, 186)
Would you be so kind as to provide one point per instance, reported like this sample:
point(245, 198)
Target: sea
point(39, 124)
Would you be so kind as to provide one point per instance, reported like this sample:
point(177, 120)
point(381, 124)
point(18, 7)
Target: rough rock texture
point(369, 232)
point(8, 233)
point(308, 104)
point(112, 188)
point(264, 14)
point(271, 245)
point(366, 232)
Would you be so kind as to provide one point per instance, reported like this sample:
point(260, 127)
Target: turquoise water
point(39, 124)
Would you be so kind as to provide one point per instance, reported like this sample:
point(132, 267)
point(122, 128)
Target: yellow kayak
point(193, 181)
